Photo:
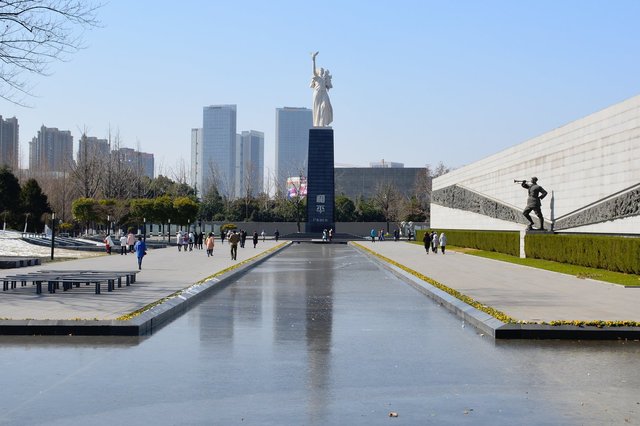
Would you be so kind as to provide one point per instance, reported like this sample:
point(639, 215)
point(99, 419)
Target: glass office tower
point(292, 143)
point(219, 149)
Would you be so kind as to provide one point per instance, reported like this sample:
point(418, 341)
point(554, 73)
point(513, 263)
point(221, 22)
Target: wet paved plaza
point(317, 335)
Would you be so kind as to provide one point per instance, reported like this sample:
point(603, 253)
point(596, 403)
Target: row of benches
point(68, 279)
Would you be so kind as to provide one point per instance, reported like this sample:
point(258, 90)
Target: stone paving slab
point(523, 293)
point(164, 271)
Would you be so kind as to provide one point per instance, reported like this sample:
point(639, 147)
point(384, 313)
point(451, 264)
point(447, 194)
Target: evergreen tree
point(345, 209)
point(9, 197)
point(34, 205)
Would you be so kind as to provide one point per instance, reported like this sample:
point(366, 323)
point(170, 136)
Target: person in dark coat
point(427, 241)
point(243, 237)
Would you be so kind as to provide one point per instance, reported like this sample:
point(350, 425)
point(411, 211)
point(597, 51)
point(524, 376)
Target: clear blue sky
point(414, 81)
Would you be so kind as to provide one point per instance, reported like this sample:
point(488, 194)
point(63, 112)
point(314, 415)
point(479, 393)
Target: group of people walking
point(128, 244)
point(188, 241)
point(432, 241)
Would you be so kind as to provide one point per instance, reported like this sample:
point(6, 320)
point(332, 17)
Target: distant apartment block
point(51, 151)
point(249, 163)
point(9, 143)
point(386, 165)
point(142, 162)
point(90, 147)
point(292, 143)
point(196, 161)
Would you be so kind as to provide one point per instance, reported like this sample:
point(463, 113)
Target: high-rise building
point(51, 150)
point(219, 149)
point(9, 143)
point(90, 147)
point(250, 163)
point(138, 161)
point(292, 143)
point(196, 161)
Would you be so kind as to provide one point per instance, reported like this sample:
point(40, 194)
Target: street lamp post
point(169, 231)
point(144, 229)
point(53, 232)
point(188, 225)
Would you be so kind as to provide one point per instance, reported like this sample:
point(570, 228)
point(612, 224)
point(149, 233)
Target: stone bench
point(69, 279)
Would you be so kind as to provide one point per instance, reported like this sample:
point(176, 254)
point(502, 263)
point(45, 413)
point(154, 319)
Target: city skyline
point(418, 83)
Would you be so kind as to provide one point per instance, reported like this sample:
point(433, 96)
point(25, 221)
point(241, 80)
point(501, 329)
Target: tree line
point(130, 202)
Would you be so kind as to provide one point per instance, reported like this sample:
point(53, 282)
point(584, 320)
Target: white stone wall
point(578, 164)
point(449, 218)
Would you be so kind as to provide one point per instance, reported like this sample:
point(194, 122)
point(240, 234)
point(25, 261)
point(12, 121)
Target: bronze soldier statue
point(536, 193)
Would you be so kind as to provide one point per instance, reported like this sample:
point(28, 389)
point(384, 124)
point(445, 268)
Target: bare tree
point(87, 173)
point(422, 192)
point(219, 179)
point(389, 200)
point(440, 170)
point(248, 189)
point(269, 184)
point(120, 178)
point(181, 173)
point(35, 33)
point(61, 193)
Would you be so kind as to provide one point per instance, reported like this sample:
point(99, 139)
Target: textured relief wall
point(621, 206)
point(624, 205)
point(456, 197)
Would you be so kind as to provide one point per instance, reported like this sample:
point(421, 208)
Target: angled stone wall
point(585, 166)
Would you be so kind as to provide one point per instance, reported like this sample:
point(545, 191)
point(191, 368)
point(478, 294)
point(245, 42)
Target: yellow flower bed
point(179, 292)
point(598, 323)
point(455, 293)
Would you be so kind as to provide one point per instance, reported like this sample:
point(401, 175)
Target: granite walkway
point(164, 271)
point(524, 293)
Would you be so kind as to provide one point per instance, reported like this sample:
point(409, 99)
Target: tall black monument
point(320, 185)
point(320, 181)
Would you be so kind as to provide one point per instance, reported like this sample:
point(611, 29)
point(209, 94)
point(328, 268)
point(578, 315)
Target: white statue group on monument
point(321, 83)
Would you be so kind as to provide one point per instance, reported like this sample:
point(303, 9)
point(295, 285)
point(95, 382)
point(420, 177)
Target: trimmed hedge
point(507, 242)
point(621, 254)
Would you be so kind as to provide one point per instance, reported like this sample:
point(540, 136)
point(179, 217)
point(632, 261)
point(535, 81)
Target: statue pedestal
point(320, 181)
point(523, 235)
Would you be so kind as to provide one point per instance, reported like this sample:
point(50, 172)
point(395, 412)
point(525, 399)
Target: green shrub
point(228, 226)
point(621, 254)
point(507, 242)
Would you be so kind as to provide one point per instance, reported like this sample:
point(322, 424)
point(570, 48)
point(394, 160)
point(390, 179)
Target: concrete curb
point(491, 326)
point(145, 323)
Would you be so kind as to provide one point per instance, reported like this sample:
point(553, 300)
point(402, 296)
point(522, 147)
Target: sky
point(416, 82)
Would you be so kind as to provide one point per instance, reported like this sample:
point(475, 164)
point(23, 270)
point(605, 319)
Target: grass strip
point(583, 272)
